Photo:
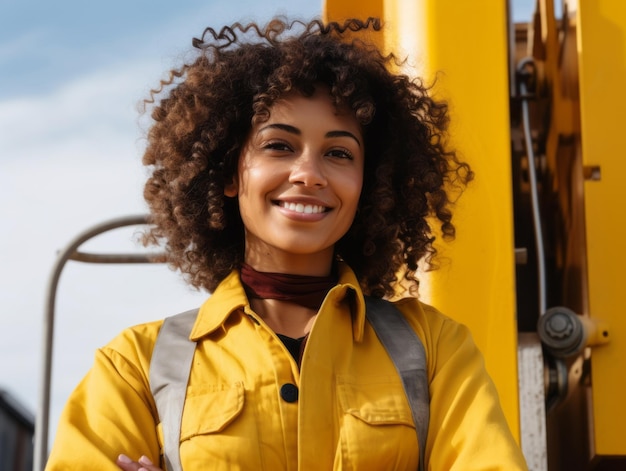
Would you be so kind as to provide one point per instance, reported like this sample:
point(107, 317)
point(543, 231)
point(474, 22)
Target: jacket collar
point(230, 297)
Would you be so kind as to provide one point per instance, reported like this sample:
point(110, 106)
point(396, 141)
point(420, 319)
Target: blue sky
point(44, 43)
point(71, 76)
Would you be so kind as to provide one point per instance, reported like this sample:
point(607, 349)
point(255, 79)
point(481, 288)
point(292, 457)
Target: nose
point(308, 170)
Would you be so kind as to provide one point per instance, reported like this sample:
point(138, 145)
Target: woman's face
point(298, 181)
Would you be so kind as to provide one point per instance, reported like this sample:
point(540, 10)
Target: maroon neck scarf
point(307, 291)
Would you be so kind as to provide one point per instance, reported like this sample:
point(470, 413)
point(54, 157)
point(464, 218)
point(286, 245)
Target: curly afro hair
point(203, 114)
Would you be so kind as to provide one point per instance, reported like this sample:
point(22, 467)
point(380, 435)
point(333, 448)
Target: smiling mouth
point(303, 208)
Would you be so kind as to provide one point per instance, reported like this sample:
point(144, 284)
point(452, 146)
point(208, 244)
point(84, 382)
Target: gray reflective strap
point(409, 357)
point(170, 366)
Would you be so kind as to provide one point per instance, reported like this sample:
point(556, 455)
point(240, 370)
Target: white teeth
point(303, 208)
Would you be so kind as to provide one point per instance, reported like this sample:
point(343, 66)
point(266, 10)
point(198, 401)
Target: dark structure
point(17, 428)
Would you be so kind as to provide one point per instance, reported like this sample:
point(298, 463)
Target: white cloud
point(88, 113)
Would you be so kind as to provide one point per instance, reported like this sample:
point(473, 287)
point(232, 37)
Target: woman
point(292, 174)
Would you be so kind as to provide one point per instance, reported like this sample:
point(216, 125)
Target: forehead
point(318, 108)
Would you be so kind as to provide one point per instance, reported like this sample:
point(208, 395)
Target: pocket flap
point(211, 409)
point(376, 400)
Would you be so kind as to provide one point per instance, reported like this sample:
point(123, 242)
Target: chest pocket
point(211, 410)
point(376, 425)
point(207, 432)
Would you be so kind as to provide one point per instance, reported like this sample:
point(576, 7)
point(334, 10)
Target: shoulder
point(442, 336)
point(428, 320)
point(133, 346)
point(464, 402)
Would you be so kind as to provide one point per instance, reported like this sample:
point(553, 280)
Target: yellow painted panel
point(338, 10)
point(602, 71)
point(467, 48)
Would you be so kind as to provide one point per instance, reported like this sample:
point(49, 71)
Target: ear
point(231, 189)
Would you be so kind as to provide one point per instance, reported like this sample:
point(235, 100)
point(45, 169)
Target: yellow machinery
point(536, 268)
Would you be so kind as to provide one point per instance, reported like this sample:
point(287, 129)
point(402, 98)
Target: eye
point(340, 153)
point(277, 145)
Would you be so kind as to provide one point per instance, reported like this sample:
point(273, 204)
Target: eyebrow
point(343, 134)
point(294, 130)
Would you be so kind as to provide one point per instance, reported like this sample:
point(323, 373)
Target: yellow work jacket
point(249, 406)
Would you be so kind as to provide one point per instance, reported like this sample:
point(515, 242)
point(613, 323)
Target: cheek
point(247, 182)
point(254, 184)
point(351, 188)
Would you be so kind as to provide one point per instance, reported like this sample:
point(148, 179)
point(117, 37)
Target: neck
point(287, 303)
point(285, 318)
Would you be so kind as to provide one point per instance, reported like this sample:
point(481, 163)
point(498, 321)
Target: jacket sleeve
point(468, 429)
point(110, 412)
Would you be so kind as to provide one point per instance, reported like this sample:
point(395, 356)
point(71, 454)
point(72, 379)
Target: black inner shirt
point(293, 345)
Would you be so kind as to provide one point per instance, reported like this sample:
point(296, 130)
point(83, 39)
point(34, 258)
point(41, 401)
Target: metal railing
point(72, 252)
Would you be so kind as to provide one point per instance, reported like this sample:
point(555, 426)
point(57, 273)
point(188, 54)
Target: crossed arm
point(142, 464)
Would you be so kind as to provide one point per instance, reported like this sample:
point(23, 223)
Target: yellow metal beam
point(602, 72)
point(338, 10)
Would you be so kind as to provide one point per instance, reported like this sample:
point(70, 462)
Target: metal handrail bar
point(71, 253)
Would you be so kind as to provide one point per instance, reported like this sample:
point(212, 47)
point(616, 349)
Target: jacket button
point(289, 392)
